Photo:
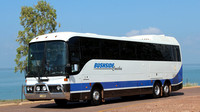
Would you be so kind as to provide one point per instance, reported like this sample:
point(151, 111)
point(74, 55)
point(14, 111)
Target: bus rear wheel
point(166, 90)
point(157, 90)
point(96, 97)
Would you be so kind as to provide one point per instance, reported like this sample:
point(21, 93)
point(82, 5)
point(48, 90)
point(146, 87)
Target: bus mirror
point(68, 69)
point(75, 68)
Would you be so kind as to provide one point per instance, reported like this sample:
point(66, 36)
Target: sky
point(176, 18)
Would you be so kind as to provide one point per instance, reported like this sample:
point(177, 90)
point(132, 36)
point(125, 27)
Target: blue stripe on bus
point(124, 84)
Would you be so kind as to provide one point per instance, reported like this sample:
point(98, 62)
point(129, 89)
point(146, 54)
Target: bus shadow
point(139, 98)
point(72, 105)
point(176, 94)
point(69, 105)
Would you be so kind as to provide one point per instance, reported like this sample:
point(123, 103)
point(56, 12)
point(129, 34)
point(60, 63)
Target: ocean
point(191, 73)
point(11, 83)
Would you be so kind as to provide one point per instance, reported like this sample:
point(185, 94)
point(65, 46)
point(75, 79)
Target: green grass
point(190, 84)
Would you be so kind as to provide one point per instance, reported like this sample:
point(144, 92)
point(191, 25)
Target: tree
point(36, 20)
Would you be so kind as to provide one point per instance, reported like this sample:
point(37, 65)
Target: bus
point(70, 66)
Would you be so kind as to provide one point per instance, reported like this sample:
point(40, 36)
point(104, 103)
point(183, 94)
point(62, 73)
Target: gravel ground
point(184, 100)
point(178, 104)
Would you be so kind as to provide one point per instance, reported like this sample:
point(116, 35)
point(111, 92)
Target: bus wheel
point(156, 90)
point(166, 90)
point(60, 102)
point(96, 97)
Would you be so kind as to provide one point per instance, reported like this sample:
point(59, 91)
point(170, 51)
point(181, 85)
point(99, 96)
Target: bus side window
point(128, 51)
point(74, 54)
point(177, 53)
point(146, 52)
point(168, 56)
point(89, 49)
point(75, 59)
point(110, 49)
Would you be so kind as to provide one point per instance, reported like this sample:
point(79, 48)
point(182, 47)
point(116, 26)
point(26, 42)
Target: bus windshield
point(47, 59)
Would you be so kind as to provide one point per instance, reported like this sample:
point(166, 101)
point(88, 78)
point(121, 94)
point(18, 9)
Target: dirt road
point(183, 100)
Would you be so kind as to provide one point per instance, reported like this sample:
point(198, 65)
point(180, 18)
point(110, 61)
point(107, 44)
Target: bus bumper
point(47, 96)
point(178, 86)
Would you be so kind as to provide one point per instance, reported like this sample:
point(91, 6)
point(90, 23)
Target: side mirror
point(75, 68)
point(68, 69)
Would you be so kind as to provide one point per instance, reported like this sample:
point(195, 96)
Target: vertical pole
point(22, 93)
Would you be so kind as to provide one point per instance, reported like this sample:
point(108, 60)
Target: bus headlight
point(27, 88)
point(44, 88)
point(58, 88)
point(38, 88)
point(31, 88)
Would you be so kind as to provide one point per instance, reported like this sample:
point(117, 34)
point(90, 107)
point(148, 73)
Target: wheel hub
point(166, 89)
point(96, 95)
point(157, 90)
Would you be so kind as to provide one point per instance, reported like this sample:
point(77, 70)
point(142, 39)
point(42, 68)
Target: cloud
point(148, 31)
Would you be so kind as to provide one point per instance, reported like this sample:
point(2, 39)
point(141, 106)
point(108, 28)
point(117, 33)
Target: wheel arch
point(167, 81)
point(98, 85)
point(157, 81)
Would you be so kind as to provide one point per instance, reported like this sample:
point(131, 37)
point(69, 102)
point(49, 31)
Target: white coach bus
point(68, 66)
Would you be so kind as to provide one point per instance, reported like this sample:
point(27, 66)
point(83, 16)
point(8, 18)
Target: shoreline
point(21, 103)
point(191, 87)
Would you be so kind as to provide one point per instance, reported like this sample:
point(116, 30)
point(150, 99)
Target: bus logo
point(106, 66)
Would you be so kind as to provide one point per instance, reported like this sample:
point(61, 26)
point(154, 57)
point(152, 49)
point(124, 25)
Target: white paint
point(65, 36)
point(131, 70)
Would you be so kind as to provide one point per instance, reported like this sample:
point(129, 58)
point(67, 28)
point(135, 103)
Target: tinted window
point(110, 49)
point(146, 53)
point(93, 48)
point(156, 52)
point(90, 49)
point(74, 50)
point(128, 51)
point(177, 53)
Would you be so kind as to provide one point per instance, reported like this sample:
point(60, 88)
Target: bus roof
point(65, 36)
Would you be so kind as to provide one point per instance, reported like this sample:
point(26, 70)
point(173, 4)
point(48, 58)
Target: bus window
point(74, 54)
point(89, 49)
point(128, 51)
point(110, 49)
point(177, 53)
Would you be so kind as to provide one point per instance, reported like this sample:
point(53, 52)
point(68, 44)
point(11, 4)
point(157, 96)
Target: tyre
point(96, 97)
point(157, 90)
point(60, 102)
point(166, 90)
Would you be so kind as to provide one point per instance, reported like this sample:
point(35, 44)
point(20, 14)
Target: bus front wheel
point(96, 97)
